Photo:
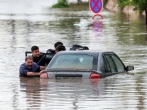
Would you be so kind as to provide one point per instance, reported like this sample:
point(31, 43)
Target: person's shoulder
point(35, 64)
point(50, 51)
point(33, 56)
point(42, 55)
point(23, 65)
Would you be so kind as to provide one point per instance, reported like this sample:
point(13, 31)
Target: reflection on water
point(25, 23)
point(109, 93)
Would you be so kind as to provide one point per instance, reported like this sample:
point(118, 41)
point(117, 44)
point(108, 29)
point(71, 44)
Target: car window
point(73, 61)
point(107, 67)
point(119, 64)
point(110, 63)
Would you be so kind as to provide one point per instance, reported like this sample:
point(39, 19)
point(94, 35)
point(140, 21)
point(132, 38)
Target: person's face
point(36, 53)
point(29, 63)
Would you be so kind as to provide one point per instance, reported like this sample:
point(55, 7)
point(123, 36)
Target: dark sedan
point(84, 64)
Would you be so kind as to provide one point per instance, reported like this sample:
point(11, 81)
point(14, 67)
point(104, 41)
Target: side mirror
point(129, 68)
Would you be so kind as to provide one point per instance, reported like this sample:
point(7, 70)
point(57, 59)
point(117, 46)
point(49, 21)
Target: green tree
point(140, 5)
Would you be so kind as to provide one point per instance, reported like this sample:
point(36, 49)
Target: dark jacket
point(24, 69)
point(39, 60)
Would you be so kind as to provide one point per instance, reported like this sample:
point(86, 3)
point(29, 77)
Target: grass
point(73, 6)
point(59, 5)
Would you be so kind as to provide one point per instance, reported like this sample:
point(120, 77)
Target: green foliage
point(139, 4)
point(61, 4)
point(123, 3)
point(105, 2)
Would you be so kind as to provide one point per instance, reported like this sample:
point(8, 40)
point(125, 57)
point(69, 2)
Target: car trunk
point(76, 75)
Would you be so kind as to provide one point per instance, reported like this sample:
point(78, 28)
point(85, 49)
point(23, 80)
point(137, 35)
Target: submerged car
point(84, 64)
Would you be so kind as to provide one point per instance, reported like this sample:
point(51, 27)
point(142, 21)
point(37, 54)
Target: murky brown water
point(24, 23)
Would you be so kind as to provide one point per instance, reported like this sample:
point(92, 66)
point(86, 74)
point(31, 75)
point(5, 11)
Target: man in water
point(39, 59)
point(51, 52)
point(79, 47)
point(57, 43)
point(30, 68)
point(59, 48)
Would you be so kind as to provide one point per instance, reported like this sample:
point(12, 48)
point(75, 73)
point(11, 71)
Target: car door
point(119, 64)
point(113, 64)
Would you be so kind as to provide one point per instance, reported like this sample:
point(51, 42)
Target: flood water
point(24, 23)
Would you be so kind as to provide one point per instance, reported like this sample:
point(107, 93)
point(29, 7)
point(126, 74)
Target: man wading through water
point(30, 68)
point(39, 59)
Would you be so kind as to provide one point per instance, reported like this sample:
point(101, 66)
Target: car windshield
point(73, 62)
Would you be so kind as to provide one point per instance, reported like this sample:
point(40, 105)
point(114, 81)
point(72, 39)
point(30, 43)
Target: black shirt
point(39, 60)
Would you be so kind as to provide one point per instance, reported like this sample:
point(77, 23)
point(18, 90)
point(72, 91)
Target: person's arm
point(22, 71)
point(27, 73)
point(33, 74)
point(42, 67)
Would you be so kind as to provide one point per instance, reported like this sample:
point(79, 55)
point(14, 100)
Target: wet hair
point(28, 57)
point(58, 43)
point(79, 47)
point(34, 48)
point(60, 48)
point(85, 48)
point(76, 46)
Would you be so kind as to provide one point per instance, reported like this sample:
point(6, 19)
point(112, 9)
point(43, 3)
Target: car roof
point(92, 52)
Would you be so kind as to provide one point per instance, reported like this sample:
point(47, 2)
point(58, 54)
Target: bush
point(61, 4)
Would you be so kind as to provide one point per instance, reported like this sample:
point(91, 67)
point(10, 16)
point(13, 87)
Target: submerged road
point(24, 23)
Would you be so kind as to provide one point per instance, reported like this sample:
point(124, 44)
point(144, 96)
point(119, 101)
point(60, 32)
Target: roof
point(82, 52)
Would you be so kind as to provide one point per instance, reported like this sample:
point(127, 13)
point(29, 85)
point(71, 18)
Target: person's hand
point(41, 72)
